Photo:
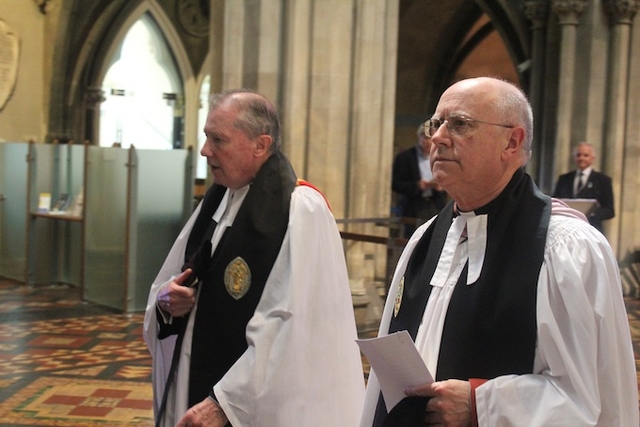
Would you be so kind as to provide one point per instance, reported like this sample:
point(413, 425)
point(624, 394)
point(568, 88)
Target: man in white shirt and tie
point(586, 183)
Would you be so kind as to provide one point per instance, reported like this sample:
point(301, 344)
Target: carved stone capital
point(94, 96)
point(621, 11)
point(569, 11)
point(537, 12)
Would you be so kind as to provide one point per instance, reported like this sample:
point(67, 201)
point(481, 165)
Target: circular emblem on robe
point(398, 300)
point(237, 278)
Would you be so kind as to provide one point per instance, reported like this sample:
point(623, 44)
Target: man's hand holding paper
point(397, 364)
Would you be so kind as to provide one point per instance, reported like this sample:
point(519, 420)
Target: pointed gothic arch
point(143, 92)
point(87, 67)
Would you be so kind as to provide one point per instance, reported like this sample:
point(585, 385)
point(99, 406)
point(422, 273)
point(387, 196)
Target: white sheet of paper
point(397, 363)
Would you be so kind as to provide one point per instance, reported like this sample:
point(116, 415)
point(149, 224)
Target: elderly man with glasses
point(512, 299)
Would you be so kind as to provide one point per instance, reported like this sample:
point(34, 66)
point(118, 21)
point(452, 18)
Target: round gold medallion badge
point(398, 300)
point(237, 278)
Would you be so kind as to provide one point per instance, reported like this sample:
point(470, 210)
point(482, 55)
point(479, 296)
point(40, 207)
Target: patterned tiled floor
point(67, 363)
point(633, 310)
point(64, 362)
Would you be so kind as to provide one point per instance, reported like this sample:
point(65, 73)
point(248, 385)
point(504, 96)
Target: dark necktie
point(580, 182)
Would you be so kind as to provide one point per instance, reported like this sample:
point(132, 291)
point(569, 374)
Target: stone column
point(568, 12)
point(252, 45)
point(621, 13)
point(296, 82)
point(93, 97)
point(234, 45)
point(630, 197)
point(329, 65)
point(216, 44)
point(269, 39)
point(329, 94)
point(298, 54)
point(371, 135)
point(537, 12)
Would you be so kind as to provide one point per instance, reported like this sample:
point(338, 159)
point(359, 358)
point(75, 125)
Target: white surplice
point(584, 369)
point(302, 366)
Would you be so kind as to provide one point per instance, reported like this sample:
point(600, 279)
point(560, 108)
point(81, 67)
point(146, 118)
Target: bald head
point(505, 101)
point(584, 155)
point(482, 135)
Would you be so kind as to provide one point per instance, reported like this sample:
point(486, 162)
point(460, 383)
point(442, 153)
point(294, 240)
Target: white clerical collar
point(226, 213)
point(230, 204)
point(472, 229)
point(477, 238)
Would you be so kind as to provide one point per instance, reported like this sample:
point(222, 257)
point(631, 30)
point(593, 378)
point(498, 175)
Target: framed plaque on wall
point(9, 54)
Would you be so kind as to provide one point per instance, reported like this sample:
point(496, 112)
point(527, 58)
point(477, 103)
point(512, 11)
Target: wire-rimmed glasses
point(456, 125)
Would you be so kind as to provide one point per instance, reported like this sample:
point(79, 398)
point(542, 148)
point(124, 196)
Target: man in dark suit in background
point(419, 196)
point(586, 183)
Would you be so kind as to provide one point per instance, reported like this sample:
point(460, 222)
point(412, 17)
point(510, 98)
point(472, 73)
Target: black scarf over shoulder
point(256, 236)
point(490, 326)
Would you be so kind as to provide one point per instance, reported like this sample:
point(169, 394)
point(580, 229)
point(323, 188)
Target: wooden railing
point(394, 240)
point(630, 273)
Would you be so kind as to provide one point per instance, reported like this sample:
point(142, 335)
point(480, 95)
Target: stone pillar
point(252, 45)
point(537, 12)
point(296, 83)
point(568, 12)
point(57, 68)
point(371, 135)
point(93, 97)
point(216, 44)
point(269, 38)
point(330, 67)
point(621, 13)
point(329, 94)
point(234, 45)
point(630, 197)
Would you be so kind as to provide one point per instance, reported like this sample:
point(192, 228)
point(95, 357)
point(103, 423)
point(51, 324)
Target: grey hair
point(515, 108)
point(584, 144)
point(256, 115)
